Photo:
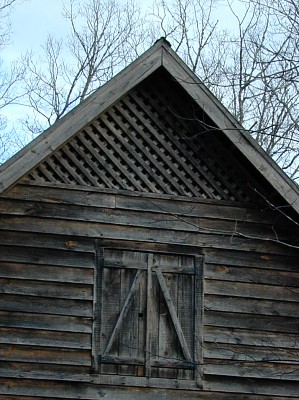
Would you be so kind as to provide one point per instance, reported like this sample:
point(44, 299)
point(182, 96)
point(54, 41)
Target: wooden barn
point(148, 250)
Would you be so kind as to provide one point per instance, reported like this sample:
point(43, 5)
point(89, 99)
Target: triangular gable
point(150, 141)
point(129, 91)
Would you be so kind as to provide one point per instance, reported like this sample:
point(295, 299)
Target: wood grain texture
point(247, 347)
point(54, 137)
point(224, 120)
point(222, 326)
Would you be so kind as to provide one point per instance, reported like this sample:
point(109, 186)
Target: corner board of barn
point(148, 250)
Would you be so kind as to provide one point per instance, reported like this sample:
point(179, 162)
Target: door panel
point(147, 314)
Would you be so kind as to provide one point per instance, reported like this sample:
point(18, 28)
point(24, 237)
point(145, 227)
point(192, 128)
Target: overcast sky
point(33, 20)
point(31, 23)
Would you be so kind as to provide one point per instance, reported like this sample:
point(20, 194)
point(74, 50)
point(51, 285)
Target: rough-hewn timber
point(251, 326)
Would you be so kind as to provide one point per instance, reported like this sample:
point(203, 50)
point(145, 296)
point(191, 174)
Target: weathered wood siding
point(47, 263)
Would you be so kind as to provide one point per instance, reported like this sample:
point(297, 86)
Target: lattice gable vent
point(150, 141)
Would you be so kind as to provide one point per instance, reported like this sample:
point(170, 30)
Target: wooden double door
point(149, 314)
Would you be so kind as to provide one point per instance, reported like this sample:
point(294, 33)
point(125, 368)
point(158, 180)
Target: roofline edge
point(64, 129)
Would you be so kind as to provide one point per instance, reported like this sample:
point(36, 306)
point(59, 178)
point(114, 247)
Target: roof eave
point(64, 129)
point(160, 54)
point(231, 128)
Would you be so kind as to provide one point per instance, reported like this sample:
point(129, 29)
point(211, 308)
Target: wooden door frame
point(145, 247)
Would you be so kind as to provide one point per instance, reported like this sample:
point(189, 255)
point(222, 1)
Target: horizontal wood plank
point(263, 259)
point(253, 386)
point(216, 334)
point(46, 338)
point(245, 390)
point(229, 273)
point(45, 305)
point(123, 232)
point(87, 196)
point(32, 255)
point(251, 354)
point(64, 243)
point(46, 273)
point(45, 355)
point(59, 290)
point(251, 306)
point(59, 372)
point(253, 291)
point(61, 195)
point(45, 322)
point(266, 323)
point(253, 369)
point(143, 218)
point(114, 394)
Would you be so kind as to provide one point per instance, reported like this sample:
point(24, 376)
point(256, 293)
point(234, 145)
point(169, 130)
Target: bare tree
point(253, 68)
point(10, 78)
point(5, 26)
point(252, 79)
point(281, 55)
point(191, 28)
point(104, 37)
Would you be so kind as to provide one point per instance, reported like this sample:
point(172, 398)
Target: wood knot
point(71, 244)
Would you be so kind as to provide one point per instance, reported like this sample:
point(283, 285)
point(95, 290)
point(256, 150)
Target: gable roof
point(155, 140)
point(159, 55)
